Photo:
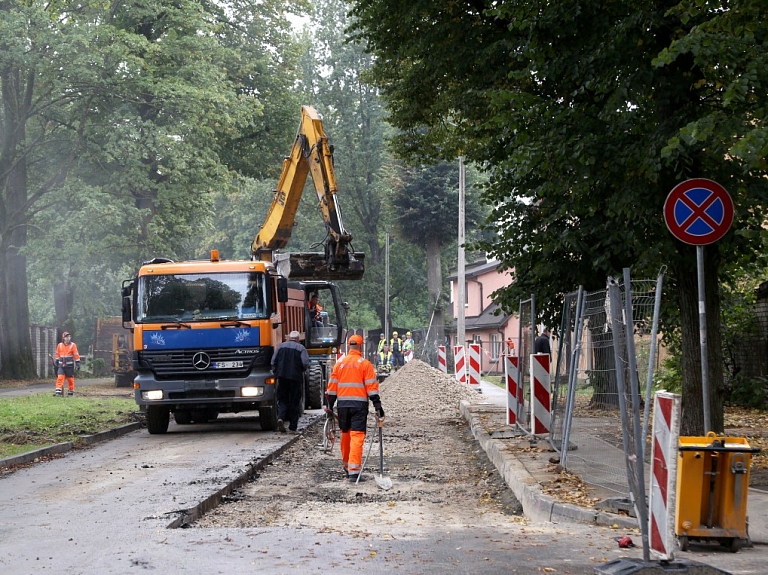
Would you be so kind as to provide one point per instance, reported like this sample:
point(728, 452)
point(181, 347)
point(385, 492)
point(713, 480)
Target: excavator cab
point(323, 311)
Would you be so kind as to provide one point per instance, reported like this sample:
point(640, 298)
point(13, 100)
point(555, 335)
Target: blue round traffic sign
point(698, 211)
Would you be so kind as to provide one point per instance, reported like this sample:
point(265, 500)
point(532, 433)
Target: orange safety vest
point(353, 380)
point(67, 351)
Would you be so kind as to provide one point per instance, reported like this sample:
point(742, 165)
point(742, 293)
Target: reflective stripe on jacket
point(353, 380)
point(67, 353)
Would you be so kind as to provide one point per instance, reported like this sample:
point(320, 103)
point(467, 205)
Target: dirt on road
point(440, 476)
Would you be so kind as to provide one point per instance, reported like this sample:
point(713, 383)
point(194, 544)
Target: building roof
point(486, 320)
point(477, 268)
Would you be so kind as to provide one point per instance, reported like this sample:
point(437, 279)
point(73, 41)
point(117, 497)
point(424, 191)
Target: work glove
point(379, 411)
point(77, 366)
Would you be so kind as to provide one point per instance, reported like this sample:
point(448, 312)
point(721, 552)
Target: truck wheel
point(157, 419)
point(268, 417)
point(182, 417)
point(315, 387)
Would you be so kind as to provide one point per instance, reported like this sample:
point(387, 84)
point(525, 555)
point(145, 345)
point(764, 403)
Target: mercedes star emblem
point(201, 360)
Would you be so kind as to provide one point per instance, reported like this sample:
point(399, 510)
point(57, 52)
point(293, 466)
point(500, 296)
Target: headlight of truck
point(251, 391)
point(152, 394)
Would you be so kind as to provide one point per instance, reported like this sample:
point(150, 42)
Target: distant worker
point(510, 346)
point(289, 362)
point(541, 345)
point(67, 362)
point(314, 310)
point(396, 347)
point(382, 342)
point(408, 346)
point(352, 384)
point(384, 360)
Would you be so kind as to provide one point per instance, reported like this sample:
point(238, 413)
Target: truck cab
point(204, 333)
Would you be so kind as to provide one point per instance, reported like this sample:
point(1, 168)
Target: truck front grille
point(191, 364)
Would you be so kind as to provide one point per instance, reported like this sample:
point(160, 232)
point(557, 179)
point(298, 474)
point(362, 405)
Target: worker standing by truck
point(289, 363)
point(67, 362)
point(353, 383)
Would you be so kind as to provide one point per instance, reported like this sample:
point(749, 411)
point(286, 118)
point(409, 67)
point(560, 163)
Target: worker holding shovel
point(352, 384)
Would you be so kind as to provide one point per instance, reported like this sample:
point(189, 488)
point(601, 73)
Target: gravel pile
point(419, 390)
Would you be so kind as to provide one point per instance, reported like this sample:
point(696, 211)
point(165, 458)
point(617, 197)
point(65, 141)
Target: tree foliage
point(129, 120)
point(586, 117)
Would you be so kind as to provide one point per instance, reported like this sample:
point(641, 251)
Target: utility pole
point(461, 281)
point(386, 288)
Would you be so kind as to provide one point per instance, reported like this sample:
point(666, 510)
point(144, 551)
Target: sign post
point(699, 212)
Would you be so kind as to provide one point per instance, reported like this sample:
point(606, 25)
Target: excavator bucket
point(313, 266)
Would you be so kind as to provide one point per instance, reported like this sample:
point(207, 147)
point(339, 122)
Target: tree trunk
point(15, 342)
point(692, 423)
point(434, 281)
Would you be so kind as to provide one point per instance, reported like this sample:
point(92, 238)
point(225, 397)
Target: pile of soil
point(440, 475)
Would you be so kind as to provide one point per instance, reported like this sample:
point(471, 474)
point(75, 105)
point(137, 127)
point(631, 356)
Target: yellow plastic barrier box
point(712, 487)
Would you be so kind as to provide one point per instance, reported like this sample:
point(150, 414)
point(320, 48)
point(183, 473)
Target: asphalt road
point(108, 509)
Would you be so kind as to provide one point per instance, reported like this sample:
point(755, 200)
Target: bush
point(748, 392)
point(670, 376)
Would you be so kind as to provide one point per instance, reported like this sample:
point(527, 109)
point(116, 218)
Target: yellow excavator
point(313, 154)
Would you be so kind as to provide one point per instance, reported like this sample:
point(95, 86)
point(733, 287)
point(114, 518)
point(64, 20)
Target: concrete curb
point(536, 505)
point(31, 456)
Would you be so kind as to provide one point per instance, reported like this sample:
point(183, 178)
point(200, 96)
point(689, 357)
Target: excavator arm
point(311, 154)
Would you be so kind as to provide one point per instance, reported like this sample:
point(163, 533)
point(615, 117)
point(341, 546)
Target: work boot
point(353, 478)
point(58, 393)
point(70, 393)
point(281, 426)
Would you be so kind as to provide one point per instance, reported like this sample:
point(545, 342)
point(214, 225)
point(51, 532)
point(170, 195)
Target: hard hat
point(394, 333)
point(408, 333)
point(381, 334)
point(65, 334)
point(294, 335)
point(355, 340)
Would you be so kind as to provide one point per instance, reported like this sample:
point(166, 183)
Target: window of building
point(495, 346)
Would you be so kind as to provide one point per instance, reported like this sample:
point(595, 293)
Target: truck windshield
point(202, 297)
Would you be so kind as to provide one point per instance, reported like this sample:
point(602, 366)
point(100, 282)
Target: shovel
point(384, 482)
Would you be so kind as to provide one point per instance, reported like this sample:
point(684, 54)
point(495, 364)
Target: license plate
point(227, 364)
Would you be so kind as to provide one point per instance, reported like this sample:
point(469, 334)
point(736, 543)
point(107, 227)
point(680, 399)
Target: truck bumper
point(223, 395)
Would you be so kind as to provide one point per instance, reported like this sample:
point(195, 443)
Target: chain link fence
point(602, 384)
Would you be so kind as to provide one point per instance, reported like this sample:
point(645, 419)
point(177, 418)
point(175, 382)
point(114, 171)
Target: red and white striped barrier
point(441, 362)
point(474, 365)
point(666, 435)
point(459, 364)
point(339, 356)
point(514, 391)
point(541, 415)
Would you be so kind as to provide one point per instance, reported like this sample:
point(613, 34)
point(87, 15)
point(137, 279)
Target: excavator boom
point(311, 154)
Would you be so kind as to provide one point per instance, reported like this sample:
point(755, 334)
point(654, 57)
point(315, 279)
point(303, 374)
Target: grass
point(39, 420)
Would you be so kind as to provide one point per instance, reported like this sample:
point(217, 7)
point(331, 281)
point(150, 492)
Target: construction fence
point(44, 342)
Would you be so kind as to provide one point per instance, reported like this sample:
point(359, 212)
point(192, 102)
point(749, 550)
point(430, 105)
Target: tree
point(427, 214)
point(586, 117)
point(130, 112)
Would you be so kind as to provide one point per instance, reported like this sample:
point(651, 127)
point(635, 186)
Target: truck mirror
point(127, 310)
point(282, 290)
point(345, 305)
point(127, 289)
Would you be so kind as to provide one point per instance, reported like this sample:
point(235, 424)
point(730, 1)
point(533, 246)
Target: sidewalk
point(526, 472)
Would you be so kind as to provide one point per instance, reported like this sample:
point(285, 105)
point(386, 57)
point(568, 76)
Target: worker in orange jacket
point(67, 362)
point(352, 384)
